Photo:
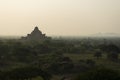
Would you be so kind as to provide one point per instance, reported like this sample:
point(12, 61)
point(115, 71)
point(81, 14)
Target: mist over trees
point(65, 58)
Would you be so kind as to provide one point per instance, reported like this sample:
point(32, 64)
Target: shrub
point(99, 74)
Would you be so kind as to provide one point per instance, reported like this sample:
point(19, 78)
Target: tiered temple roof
point(36, 34)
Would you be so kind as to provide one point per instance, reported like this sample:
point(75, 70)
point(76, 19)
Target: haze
point(59, 17)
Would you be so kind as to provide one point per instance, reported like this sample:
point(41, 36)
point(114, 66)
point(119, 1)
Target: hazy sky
point(59, 17)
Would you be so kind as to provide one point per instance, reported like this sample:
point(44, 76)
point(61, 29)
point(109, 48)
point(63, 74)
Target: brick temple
point(36, 34)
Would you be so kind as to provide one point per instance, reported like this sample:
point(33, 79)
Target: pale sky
point(59, 17)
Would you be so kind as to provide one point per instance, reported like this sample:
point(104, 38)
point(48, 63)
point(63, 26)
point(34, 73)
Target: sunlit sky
point(59, 17)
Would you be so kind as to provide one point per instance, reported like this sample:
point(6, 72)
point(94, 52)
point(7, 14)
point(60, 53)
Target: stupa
point(36, 34)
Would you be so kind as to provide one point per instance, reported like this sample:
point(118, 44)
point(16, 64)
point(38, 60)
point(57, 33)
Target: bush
point(99, 74)
point(113, 56)
point(98, 54)
point(24, 73)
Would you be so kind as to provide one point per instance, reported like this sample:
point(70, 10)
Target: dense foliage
point(54, 57)
point(99, 74)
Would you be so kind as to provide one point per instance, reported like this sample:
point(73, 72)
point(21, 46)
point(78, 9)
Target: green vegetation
point(99, 74)
point(58, 59)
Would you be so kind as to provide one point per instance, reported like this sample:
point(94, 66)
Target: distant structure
point(36, 34)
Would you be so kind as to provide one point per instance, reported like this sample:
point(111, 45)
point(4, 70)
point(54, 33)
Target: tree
point(99, 74)
point(98, 54)
point(113, 56)
point(112, 51)
point(4, 50)
point(110, 48)
point(25, 73)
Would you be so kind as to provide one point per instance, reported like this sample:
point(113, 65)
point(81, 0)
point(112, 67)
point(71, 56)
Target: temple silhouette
point(36, 34)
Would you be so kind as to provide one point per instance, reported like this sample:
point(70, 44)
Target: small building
point(36, 34)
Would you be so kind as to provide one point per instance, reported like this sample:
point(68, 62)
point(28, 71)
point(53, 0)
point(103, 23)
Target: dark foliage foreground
point(26, 73)
point(99, 74)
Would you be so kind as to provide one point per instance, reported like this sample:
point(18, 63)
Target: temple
point(36, 34)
